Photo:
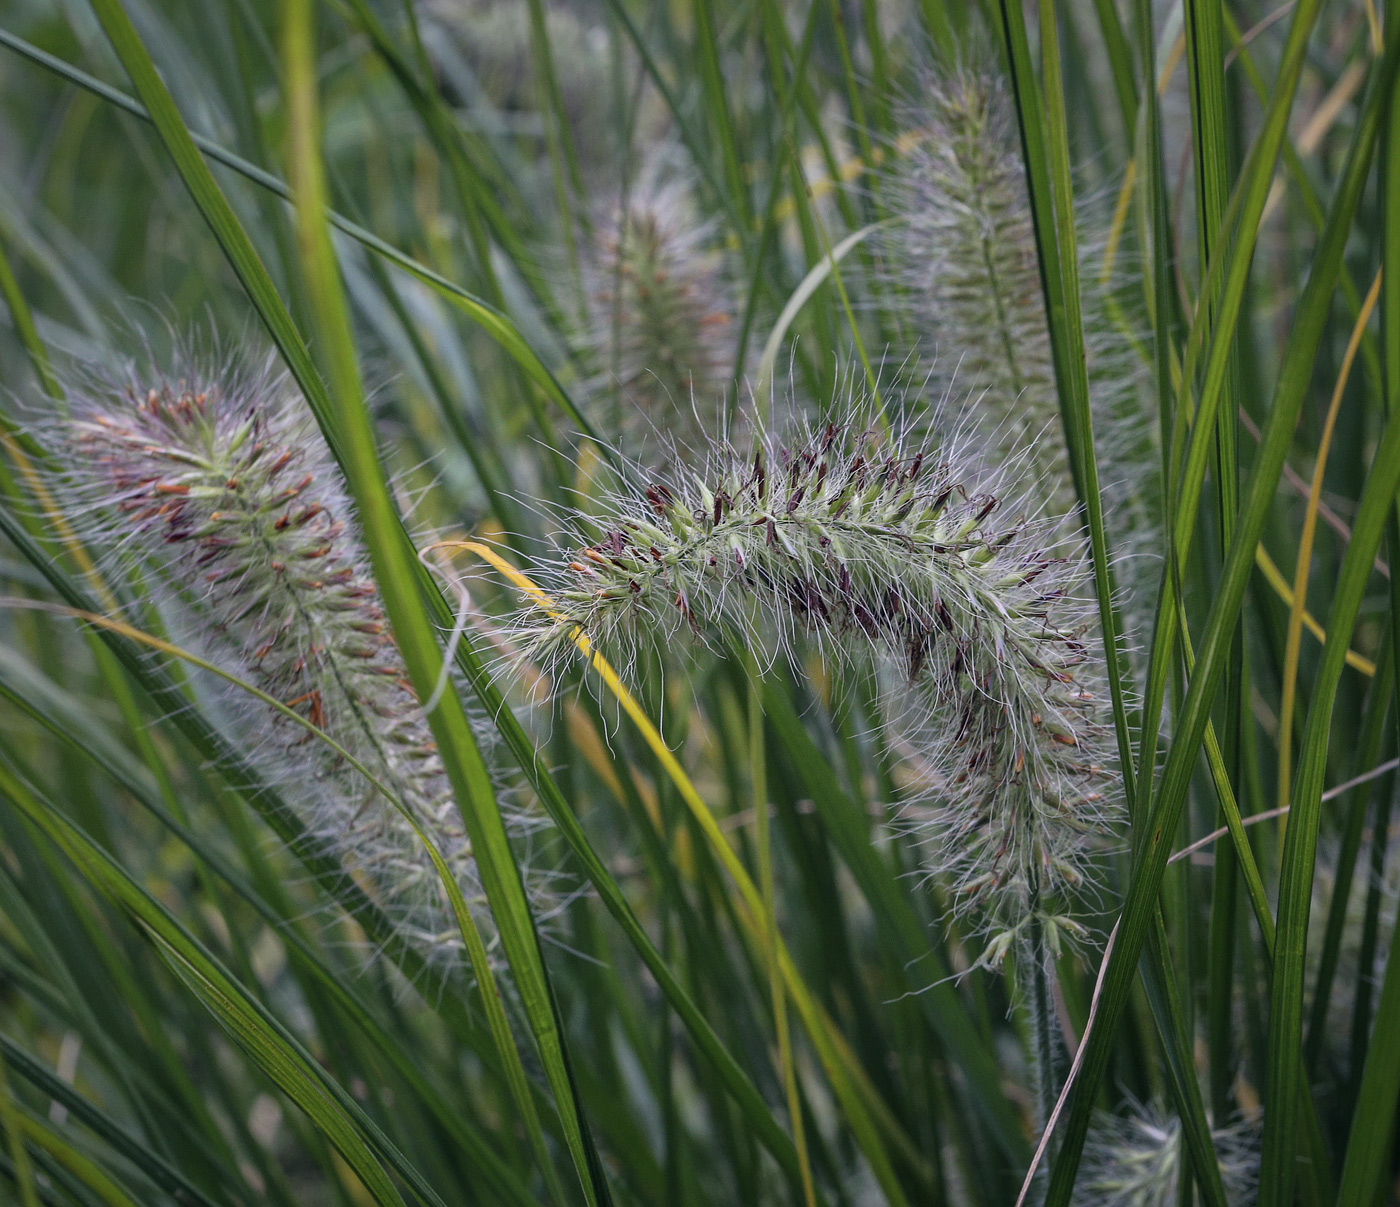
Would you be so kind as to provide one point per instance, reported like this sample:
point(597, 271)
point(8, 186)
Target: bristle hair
point(212, 484)
point(661, 320)
point(963, 256)
point(907, 557)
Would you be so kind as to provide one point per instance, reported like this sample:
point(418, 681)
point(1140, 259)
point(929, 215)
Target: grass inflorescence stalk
point(217, 482)
point(886, 551)
point(661, 319)
point(963, 254)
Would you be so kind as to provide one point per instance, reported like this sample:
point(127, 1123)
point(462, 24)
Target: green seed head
point(894, 554)
point(217, 483)
point(661, 322)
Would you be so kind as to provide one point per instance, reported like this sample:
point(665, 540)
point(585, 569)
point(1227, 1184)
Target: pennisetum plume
point(661, 319)
point(964, 258)
point(215, 480)
point(965, 253)
point(897, 554)
point(1135, 1160)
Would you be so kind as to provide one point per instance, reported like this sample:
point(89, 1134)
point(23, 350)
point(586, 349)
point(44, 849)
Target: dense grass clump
point(844, 656)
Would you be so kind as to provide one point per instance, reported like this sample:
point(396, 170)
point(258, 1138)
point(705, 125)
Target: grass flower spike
point(661, 320)
point(965, 252)
point(1135, 1161)
point(873, 547)
point(964, 255)
point(220, 483)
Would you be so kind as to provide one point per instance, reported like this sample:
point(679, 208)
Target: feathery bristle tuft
point(964, 255)
point(1135, 1160)
point(220, 483)
point(965, 251)
point(661, 321)
point(877, 548)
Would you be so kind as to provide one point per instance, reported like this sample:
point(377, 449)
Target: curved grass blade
point(147, 1160)
point(493, 321)
point(1300, 846)
point(83, 1168)
point(809, 285)
point(19, 1156)
point(858, 1100)
point(63, 716)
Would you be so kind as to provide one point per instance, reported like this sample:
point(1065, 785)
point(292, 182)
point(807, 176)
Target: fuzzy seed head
point(964, 255)
point(965, 251)
point(219, 483)
point(661, 321)
point(1134, 1160)
point(892, 553)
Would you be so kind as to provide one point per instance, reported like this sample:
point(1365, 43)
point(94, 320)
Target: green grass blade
point(1120, 59)
point(1151, 855)
point(1205, 63)
point(810, 284)
point(902, 927)
point(86, 1172)
point(144, 1158)
point(496, 323)
point(1045, 151)
point(24, 686)
point(1368, 753)
point(23, 1171)
point(274, 1049)
point(1286, 1076)
point(417, 641)
point(1371, 1136)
